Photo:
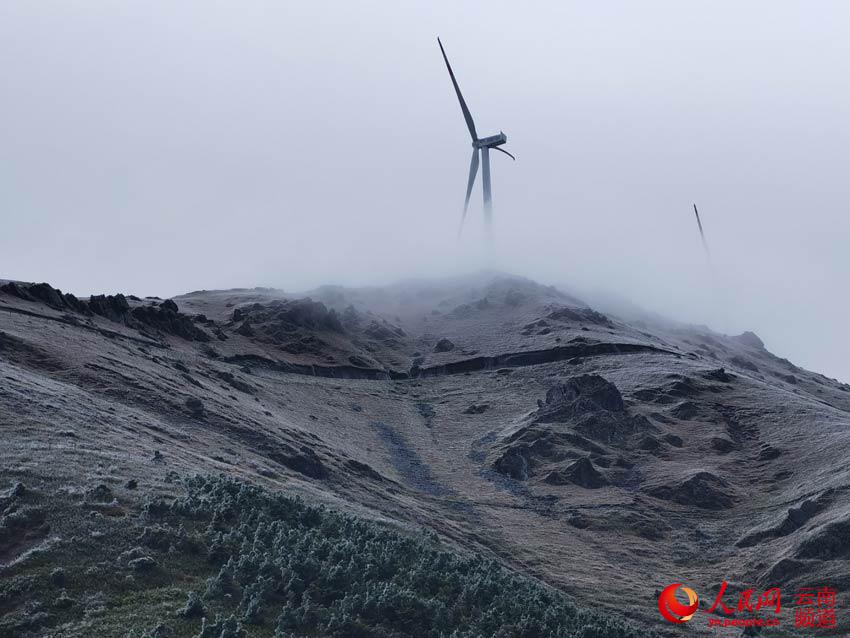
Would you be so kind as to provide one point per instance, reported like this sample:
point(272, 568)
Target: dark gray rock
point(514, 462)
point(722, 444)
point(444, 345)
point(673, 439)
point(580, 472)
point(581, 395)
point(702, 489)
point(168, 304)
point(195, 406)
point(686, 410)
point(719, 374)
point(476, 408)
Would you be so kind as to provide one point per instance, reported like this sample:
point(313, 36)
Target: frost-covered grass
point(219, 558)
point(284, 568)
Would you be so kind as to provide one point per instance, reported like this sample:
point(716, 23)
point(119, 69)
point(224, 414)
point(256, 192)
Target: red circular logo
point(672, 609)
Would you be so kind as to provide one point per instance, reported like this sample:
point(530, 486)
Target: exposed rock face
point(702, 489)
point(580, 472)
point(685, 410)
point(649, 443)
point(444, 345)
point(298, 326)
point(594, 405)
point(578, 396)
point(719, 374)
point(47, 294)
point(245, 329)
point(579, 315)
point(281, 316)
point(674, 440)
point(303, 460)
point(113, 307)
point(515, 463)
point(166, 318)
point(578, 417)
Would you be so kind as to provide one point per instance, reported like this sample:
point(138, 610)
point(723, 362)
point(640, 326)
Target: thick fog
point(160, 147)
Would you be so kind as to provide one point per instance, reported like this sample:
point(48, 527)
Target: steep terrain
point(602, 458)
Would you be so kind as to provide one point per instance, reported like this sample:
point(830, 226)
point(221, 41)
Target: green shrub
point(304, 570)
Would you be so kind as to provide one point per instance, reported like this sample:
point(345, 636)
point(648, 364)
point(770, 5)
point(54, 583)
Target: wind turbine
point(480, 145)
point(702, 234)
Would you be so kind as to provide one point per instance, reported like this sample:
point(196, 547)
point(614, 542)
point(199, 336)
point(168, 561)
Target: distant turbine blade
point(473, 171)
point(701, 233)
point(499, 148)
point(466, 114)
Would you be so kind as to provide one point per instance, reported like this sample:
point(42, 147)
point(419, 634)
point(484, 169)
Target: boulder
point(444, 345)
point(580, 472)
point(168, 304)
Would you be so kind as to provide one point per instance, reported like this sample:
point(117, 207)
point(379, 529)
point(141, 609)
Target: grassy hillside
point(224, 558)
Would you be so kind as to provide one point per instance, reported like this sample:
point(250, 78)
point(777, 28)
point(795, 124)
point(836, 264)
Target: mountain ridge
point(611, 504)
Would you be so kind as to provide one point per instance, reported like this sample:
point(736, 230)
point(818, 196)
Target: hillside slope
point(602, 458)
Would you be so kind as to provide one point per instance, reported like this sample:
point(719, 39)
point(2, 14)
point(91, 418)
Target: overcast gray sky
point(158, 147)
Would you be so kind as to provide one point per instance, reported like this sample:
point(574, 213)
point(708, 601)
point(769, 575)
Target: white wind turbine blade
point(473, 171)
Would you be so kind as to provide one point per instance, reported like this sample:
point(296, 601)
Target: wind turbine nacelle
point(493, 140)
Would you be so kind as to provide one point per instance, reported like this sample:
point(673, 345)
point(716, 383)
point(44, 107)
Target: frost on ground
point(583, 460)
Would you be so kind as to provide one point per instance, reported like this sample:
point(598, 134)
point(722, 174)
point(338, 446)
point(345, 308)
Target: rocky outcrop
point(444, 345)
point(283, 316)
point(164, 317)
point(578, 396)
point(686, 411)
point(303, 460)
point(595, 406)
point(718, 374)
point(112, 307)
point(579, 315)
point(580, 416)
point(580, 472)
point(702, 489)
point(167, 318)
point(46, 294)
